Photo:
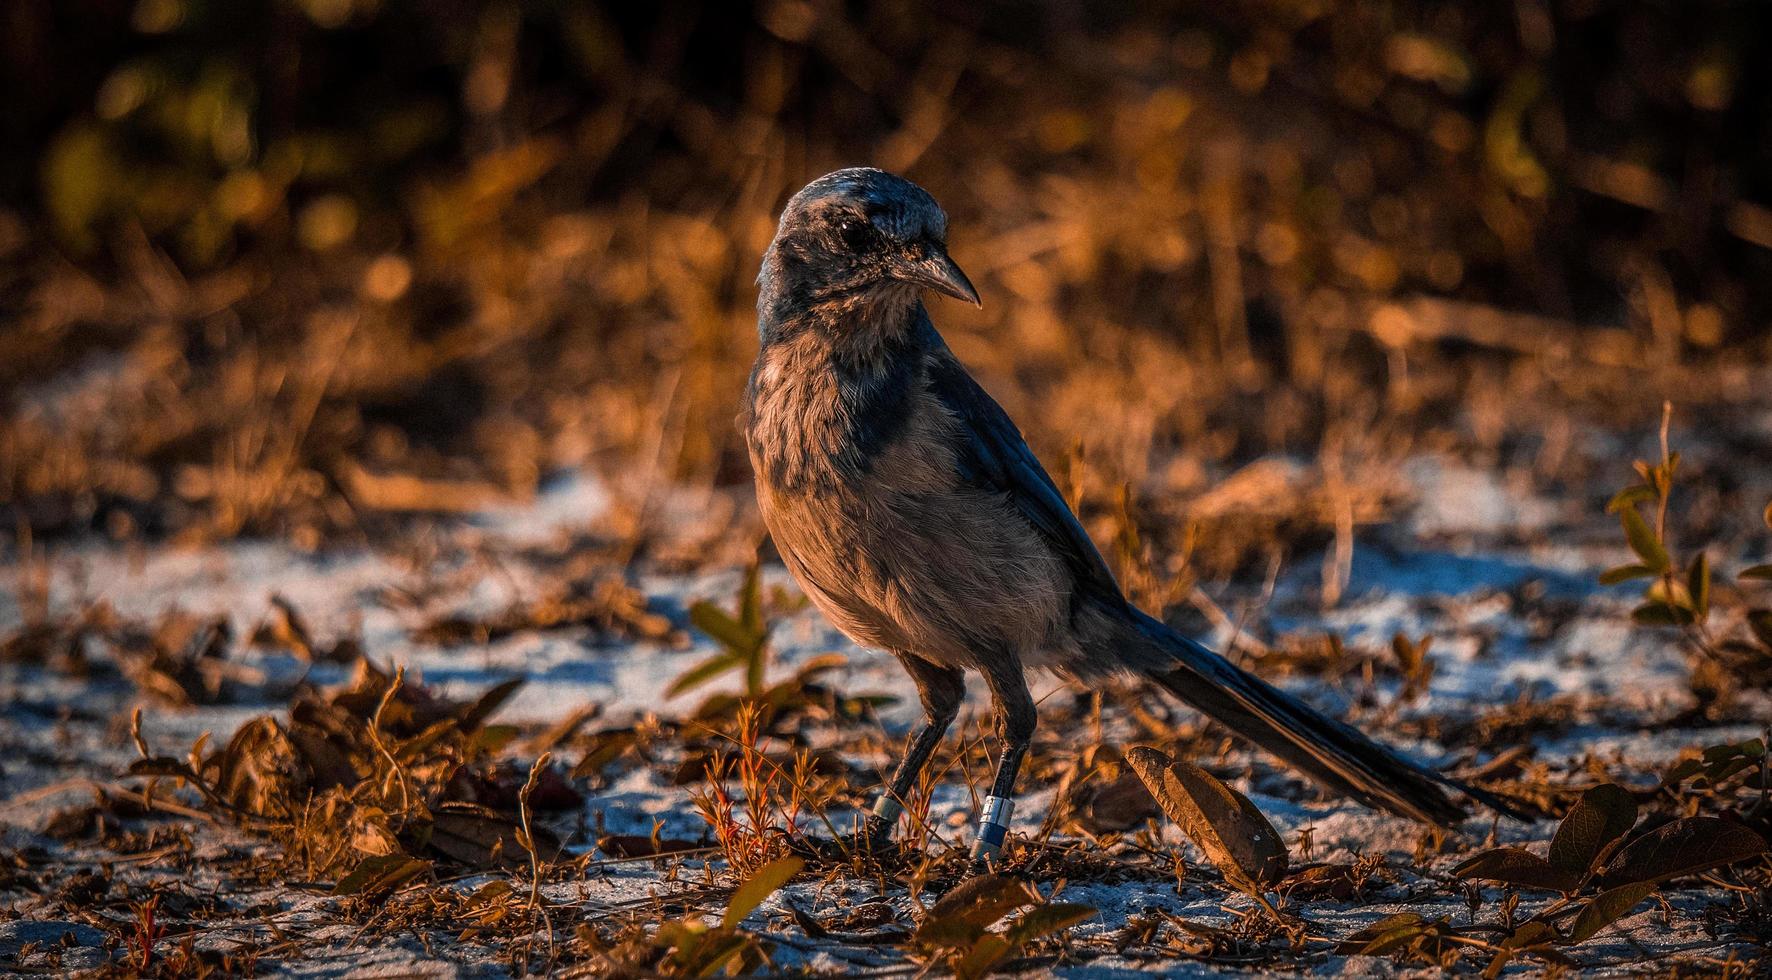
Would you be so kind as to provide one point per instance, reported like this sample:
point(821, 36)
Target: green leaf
point(1671, 592)
point(993, 948)
point(1603, 814)
point(1757, 571)
point(1760, 622)
point(710, 951)
point(1533, 936)
point(717, 623)
point(1722, 752)
point(1532, 932)
point(1683, 770)
point(1685, 846)
point(1659, 613)
point(1698, 585)
point(1606, 908)
point(987, 951)
point(1387, 934)
point(1625, 573)
point(703, 672)
point(761, 885)
point(811, 669)
point(1630, 497)
point(755, 666)
point(1643, 540)
point(750, 600)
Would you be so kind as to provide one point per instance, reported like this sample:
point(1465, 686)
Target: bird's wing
point(993, 456)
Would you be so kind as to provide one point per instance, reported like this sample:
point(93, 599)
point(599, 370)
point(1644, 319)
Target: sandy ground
point(1508, 622)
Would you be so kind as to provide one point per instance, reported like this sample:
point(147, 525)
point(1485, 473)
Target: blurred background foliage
point(296, 265)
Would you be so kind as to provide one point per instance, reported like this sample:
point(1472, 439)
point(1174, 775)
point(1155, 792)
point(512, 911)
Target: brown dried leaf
point(1222, 822)
point(1118, 804)
point(1338, 881)
point(1518, 866)
point(1685, 846)
point(381, 873)
point(973, 906)
point(261, 770)
point(1603, 814)
point(488, 703)
point(1606, 908)
point(481, 838)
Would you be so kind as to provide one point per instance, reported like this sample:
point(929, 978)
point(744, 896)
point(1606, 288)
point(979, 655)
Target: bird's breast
point(818, 423)
point(871, 515)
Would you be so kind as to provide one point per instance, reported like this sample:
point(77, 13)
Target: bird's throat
point(823, 403)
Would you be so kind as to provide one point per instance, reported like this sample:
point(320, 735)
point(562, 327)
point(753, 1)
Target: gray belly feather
point(904, 557)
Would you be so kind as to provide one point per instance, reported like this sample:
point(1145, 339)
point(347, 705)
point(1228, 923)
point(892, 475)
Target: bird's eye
point(857, 235)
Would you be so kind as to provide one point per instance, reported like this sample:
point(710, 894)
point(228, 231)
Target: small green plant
point(1680, 594)
point(1673, 598)
point(743, 636)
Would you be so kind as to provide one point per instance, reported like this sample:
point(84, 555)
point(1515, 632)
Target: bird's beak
point(938, 272)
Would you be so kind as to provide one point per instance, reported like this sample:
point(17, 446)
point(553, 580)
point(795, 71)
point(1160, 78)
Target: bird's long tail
point(1329, 751)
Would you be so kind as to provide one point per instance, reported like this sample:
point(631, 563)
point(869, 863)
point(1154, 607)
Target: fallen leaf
point(1118, 804)
point(759, 887)
point(1685, 846)
point(1606, 908)
point(1222, 822)
point(381, 873)
point(965, 912)
point(1517, 866)
point(1603, 814)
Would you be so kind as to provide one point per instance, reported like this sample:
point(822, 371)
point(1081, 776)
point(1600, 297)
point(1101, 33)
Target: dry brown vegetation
point(1204, 236)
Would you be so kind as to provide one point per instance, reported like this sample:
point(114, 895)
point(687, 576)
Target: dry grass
point(1172, 290)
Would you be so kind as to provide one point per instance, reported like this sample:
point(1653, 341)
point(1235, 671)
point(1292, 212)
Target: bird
point(910, 510)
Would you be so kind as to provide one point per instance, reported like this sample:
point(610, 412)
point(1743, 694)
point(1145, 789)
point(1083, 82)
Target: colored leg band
point(887, 809)
point(993, 826)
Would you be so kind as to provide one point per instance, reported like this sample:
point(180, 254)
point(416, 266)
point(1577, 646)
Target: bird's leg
point(1016, 719)
point(941, 690)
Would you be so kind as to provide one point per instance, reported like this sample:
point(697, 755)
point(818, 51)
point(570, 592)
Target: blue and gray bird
point(906, 504)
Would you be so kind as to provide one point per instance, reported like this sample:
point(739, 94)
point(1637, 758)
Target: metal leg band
point(887, 809)
point(993, 827)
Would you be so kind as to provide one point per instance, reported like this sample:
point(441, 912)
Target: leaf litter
point(534, 789)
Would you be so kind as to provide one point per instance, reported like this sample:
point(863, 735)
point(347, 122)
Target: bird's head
point(862, 235)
